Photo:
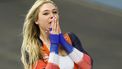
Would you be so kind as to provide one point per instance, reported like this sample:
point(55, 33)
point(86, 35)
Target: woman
point(45, 46)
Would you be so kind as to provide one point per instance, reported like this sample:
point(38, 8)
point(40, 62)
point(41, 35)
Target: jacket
point(72, 39)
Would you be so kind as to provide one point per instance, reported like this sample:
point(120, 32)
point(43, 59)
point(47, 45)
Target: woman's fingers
point(59, 29)
point(58, 26)
point(55, 26)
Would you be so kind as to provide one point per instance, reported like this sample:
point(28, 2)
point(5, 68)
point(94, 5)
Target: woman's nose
point(51, 17)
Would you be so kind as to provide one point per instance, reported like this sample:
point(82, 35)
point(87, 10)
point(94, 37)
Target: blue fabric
point(65, 44)
point(54, 48)
point(54, 39)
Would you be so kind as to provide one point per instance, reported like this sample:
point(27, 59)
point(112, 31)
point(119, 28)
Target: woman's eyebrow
point(49, 10)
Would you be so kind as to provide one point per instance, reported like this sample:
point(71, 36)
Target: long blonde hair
point(30, 49)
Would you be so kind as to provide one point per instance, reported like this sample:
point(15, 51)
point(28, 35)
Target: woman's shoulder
point(73, 38)
point(69, 33)
point(72, 35)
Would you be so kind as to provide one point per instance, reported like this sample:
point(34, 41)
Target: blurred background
point(98, 24)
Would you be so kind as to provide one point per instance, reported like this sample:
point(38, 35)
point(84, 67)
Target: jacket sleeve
point(42, 65)
point(53, 56)
point(79, 56)
point(86, 62)
point(51, 64)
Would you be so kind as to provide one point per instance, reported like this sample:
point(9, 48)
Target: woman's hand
point(54, 35)
point(55, 27)
point(54, 31)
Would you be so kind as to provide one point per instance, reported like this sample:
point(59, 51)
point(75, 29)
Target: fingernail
point(50, 29)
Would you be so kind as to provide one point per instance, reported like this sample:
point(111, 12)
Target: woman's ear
point(36, 22)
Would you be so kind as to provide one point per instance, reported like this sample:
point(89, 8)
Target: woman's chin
point(47, 31)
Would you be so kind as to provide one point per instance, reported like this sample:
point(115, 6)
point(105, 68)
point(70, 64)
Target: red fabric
point(39, 65)
point(42, 65)
point(85, 63)
point(52, 66)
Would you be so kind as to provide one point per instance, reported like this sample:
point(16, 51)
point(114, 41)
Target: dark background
point(97, 26)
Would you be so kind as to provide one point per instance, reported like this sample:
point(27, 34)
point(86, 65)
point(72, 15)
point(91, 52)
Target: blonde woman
point(45, 46)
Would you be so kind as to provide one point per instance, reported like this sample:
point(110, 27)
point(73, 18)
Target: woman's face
point(45, 16)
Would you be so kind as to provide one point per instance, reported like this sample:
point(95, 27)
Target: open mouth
point(50, 29)
point(49, 22)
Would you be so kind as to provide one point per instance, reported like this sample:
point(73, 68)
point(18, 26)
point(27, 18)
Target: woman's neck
point(44, 36)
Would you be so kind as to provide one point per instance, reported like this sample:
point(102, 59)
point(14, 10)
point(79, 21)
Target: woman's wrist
point(65, 44)
point(54, 38)
point(54, 48)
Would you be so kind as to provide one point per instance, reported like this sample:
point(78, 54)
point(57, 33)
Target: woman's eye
point(45, 13)
point(55, 12)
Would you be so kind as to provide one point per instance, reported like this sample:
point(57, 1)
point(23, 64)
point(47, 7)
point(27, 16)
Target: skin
point(48, 17)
